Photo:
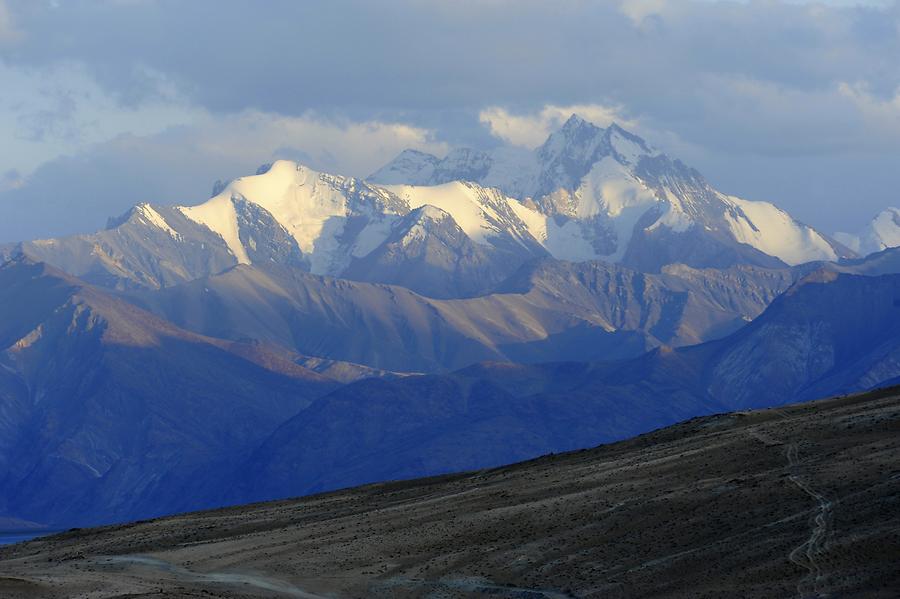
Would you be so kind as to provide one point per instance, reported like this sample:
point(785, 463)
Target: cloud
point(881, 114)
point(638, 10)
point(56, 120)
point(771, 79)
point(412, 59)
point(8, 31)
point(77, 193)
point(531, 130)
point(334, 145)
point(61, 109)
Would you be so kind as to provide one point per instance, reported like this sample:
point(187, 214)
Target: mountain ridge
point(494, 413)
point(617, 186)
point(106, 407)
point(587, 193)
point(546, 310)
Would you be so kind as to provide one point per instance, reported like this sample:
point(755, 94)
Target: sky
point(107, 103)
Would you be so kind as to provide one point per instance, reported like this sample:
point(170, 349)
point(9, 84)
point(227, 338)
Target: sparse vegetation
point(702, 509)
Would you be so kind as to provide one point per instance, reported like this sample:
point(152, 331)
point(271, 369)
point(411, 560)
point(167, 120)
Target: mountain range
point(107, 407)
point(546, 310)
point(301, 331)
point(832, 334)
point(450, 228)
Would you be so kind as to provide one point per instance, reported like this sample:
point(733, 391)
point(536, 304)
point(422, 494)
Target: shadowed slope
point(106, 409)
point(829, 334)
point(800, 500)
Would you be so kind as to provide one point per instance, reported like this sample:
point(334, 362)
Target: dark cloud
point(683, 65)
point(777, 85)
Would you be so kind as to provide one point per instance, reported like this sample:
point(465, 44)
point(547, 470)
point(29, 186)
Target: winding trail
point(807, 554)
point(227, 578)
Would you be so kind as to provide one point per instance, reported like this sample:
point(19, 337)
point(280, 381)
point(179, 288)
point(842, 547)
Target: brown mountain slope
point(108, 412)
point(797, 501)
point(548, 311)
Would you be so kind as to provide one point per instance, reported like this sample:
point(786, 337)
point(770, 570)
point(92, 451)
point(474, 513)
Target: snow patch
point(515, 170)
point(882, 232)
point(772, 230)
point(609, 188)
point(851, 241)
point(567, 241)
point(459, 200)
point(313, 208)
point(219, 216)
point(372, 235)
point(153, 217)
point(629, 150)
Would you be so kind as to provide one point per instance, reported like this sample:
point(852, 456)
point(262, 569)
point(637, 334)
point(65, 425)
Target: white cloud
point(530, 130)
point(342, 146)
point(61, 110)
point(881, 115)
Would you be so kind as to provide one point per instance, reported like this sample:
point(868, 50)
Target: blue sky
point(107, 103)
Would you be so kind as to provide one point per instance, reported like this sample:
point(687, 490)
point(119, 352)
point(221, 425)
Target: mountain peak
point(576, 128)
point(575, 122)
point(410, 166)
point(881, 233)
point(412, 153)
point(427, 212)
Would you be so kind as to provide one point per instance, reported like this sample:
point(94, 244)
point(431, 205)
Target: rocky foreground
point(797, 501)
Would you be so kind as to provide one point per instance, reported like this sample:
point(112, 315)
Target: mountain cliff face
point(105, 409)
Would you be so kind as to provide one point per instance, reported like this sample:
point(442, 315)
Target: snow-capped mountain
point(428, 250)
point(340, 226)
point(881, 233)
point(325, 224)
point(606, 194)
point(450, 227)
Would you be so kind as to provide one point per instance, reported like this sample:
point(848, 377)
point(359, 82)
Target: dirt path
point(807, 554)
point(226, 578)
